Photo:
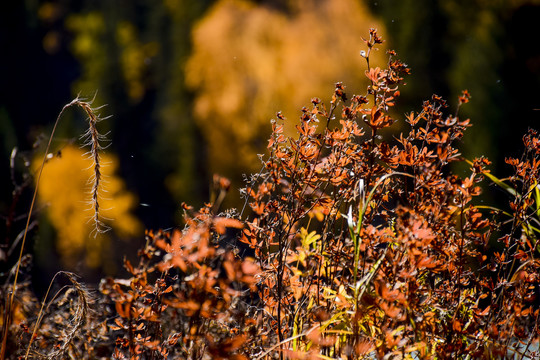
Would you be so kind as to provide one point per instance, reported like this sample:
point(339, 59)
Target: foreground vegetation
point(352, 244)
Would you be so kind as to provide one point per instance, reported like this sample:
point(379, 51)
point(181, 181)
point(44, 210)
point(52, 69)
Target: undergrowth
point(353, 244)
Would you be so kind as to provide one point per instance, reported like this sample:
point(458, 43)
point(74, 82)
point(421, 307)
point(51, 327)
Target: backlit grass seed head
point(93, 139)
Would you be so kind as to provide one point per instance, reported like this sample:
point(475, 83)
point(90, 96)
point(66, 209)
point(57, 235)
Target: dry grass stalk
point(79, 316)
point(93, 139)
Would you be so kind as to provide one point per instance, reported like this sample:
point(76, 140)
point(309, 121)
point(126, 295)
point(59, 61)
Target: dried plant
point(358, 244)
point(63, 333)
point(93, 139)
point(373, 247)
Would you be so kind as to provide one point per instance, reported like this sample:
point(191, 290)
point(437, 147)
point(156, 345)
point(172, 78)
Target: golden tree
point(251, 61)
point(65, 190)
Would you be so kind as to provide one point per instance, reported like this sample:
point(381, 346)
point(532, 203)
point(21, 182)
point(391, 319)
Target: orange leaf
point(221, 224)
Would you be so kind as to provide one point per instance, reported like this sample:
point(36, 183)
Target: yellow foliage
point(90, 47)
point(133, 58)
point(65, 189)
point(251, 61)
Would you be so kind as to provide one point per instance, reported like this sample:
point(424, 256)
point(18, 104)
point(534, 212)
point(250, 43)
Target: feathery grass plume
point(93, 139)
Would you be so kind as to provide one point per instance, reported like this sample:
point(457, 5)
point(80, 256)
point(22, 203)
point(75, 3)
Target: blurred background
point(191, 87)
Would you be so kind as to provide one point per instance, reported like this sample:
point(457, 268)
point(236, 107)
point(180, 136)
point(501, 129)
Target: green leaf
point(308, 239)
point(497, 181)
point(537, 196)
point(501, 184)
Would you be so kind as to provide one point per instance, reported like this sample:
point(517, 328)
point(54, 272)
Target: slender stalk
point(93, 139)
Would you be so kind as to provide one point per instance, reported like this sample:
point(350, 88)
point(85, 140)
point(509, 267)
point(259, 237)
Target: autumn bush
point(273, 63)
point(354, 242)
